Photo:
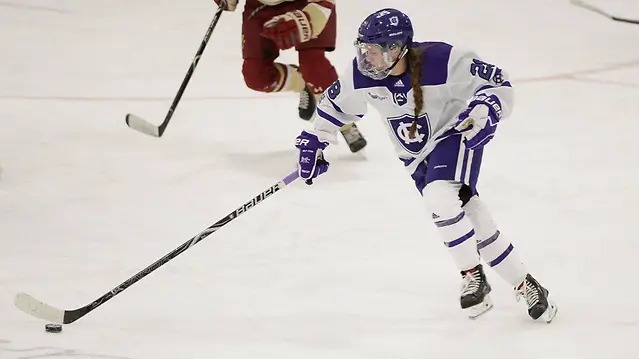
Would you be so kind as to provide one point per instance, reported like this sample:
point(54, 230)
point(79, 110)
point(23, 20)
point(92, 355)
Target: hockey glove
point(229, 5)
point(311, 161)
point(478, 122)
point(289, 29)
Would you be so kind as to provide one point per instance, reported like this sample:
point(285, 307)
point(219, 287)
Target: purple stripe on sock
point(501, 257)
point(483, 244)
point(450, 222)
point(460, 240)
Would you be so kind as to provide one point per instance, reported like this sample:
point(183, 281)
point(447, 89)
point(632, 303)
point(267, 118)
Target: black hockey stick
point(38, 309)
point(599, 11)
point(144, 126)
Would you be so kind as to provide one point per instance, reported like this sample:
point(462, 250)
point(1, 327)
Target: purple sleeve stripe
point(337, 108)
point(330, 118)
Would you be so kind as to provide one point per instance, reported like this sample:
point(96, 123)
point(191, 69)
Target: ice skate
point(475, 299)
point(539, 306)
point(353, 137)
point(307, 104)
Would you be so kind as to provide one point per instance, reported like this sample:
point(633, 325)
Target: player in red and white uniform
point(309, 26)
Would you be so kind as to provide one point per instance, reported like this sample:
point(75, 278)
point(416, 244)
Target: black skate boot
point(307, 105)
point(474, 299)
point(537, 299)
point(353, 137)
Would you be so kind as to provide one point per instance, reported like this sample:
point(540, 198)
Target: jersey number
point(334, 90)
point(486, 71)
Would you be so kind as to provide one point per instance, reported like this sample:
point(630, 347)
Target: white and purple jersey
point(450, 78)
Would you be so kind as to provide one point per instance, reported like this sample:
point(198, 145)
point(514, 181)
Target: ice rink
point(350, 268)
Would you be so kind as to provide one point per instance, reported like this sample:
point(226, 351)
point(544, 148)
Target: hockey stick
point(38, 309)
point(599, 11)
point(140, 124)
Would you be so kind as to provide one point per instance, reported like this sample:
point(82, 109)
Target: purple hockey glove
point(311, 161)
point(478, 122)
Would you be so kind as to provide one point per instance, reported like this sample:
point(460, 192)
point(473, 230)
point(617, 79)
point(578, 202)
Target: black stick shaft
point(71, 316)
point(189, 73)
point(629, 21)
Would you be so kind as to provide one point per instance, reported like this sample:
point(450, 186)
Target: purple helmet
point(382, 40)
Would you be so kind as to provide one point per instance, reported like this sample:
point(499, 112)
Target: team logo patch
point(400, 98)
point(401, 128)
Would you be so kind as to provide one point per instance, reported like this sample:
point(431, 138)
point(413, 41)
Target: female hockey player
point(441, 105)
point(309, 26)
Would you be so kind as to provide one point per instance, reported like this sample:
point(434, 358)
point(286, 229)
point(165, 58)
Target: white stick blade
point(142, 125)
point(38, 309)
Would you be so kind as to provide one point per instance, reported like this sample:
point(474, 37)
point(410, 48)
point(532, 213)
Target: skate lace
point(305, 100)
point(471, 282)
point(529, 291)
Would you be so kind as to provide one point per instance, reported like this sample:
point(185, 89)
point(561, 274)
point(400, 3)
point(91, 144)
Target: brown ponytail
point(415, 63)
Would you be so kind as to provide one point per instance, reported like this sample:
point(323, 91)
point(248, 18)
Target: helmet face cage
point(377, 60)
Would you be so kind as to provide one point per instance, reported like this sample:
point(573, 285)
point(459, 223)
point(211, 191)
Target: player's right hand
point(229, 5)
point(477, 124)
point(311, 162)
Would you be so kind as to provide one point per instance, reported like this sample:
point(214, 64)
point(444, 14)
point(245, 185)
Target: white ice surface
point(348, 268)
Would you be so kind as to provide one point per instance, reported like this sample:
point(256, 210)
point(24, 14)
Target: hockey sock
point(495, 249)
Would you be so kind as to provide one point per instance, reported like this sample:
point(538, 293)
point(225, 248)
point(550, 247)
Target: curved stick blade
point(38, 309)
point(142, 125)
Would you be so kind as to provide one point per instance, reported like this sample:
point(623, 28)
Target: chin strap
point(402, 53)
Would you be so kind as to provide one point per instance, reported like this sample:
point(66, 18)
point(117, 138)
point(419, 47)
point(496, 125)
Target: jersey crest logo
point(401, 128)
point(400, 98)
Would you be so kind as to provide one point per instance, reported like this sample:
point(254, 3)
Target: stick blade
point(142, 125)
point(38, 309)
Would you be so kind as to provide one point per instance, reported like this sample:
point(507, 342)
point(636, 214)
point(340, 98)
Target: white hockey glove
point(478, 122)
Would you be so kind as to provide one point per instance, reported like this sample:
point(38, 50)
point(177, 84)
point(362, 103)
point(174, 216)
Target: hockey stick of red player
point(38, 309)
point(142, 125)
point(599, 11)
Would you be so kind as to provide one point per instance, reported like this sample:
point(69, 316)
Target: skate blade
point(550, 313)
point(357, 145)
point(477, 310)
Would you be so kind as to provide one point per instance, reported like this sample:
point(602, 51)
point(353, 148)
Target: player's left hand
point(477, 124)
point(289, 29)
